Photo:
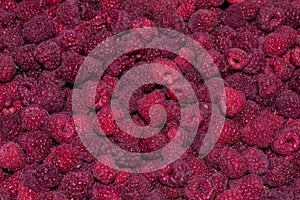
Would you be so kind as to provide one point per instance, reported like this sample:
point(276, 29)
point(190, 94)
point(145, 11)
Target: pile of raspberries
point(255, 44)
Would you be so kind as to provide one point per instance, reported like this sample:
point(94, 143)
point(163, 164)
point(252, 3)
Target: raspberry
point(186, 9)
point(89, 10)
point(191, 119)
point(175, 175)
point(33, 118)
point(107, 5)
point(182, 91)
point(51, 195)
point(219, 181)
point(41, 177)
point(256, 62)
point(230, 133)
point(103, 173)
point(71, 62)
point(286, 142)
point(204, 39)
point(236, 58)
point(234, 16)
point(135, 188)
point(118, 66)
point(202, 20)
point(24, 58)
point(71, 40)
point(60, 128)
point(250, 9)
point(153, 143)
point(29, 8)
point(294, 82)
point(249, 186)
point(156, 195)
point(7, 68)
point(11, 127)
point(223, 37)
point(11, 37)
point(68, 14)
point(171, 21)
point(270, 18)
point(256, 160)
point(120, 21)
point(48, 54)
point(295, 57)
point(38, 28)
point(287, 104)
point(232, 194)
point(277, 67)
point(170, 192)
point(279, 172)
point(28, 89)
point(198, 188)
point(235, 101)
point(235, 1)
point(197, 166)
point(12, 157)
point(246, 41)
point(26, 193)
point(100, 192)
point(292, 13)
point(9, 5)
point(232, 164)
point(77, 185)
point(106, 121)
point(7, 18)
point(274, 45)
point(65, 158)
point(11, 185)
point(288, 33)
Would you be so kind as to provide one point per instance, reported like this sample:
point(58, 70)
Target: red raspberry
point(48, 54)
point(24, 58)
point(182, 91)
point(249, 186)
point(246, 41)
point(89, 10)
point(287, 104)
point(29, 8)
point(38, 28)
point(170, 192)
point(277, 67)
point(256, 62)
point(118, 66)
point(219, 181)
point(9, 5)
point(294, 82)
point(50, 98)
point(77, 185)
point(153, 143)
point(100, 192)
point(232, 164)
point(33, 118)
point(279, 173)
point(202, 20)
point(250, 9)
point(11, 185)
point(7, 68)
point(65, 158)
point(274, 45)
point(11, 127)
point(286, 142)
point(256, 160)
point(12, 37)
point(41, 177)
point(68, 14)
point(231, 194)
point(288, 33)
point(295, 56)
point(7, 18)
point(26, 193)
point(186, 9)
point(71, 62)
point(51, 195)
point(257, 132)
point(235, 101)
point(197, 166)
point(230, 133)
point(28, 89)
point(106, 121)
point(191, 119)
point(234, 16)
point(103, 173)
point(276, 121)
point(107, 5)
point(135, 188)
point(71, 40)
point(292, 13)
point(223, 37)
point(236, 58)
point(12, 157)
point(198, 188)
point(270, 18)
point(156, 195)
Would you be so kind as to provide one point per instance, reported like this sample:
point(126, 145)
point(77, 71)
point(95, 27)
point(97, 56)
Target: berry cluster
point(255, 45)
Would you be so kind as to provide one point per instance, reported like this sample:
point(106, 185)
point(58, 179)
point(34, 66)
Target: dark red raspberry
point(197, 166)
point(71, 40)
point(11, 185)
point(186, 9)
point(295, 57)
point(106, 121)
point(52, 195)
point(256, 160)
point(204, 39)
point(89, 10)
point(156, 195)
point(36, 145)
point(136, 187)
point(202, 20)
point(29, 8)
point(199, 188)
point(224, 38)
point(28, 89)
point(38, 28)
point(153, 143)
point(232, 194)
point(236, 58)
point(118, 66)
point(274, 45)
point(48, 54)
point(11, 127)
point(234, 16)
point(276, 121)
point(219, 181)
point(256, 62)
point(103, 173)
point(68, 14)
point(7, 68)
point(246, 41)
point(235, 101)
point(191, 119)
point(182, 91)
point(100, 192)
point(287, 104)
point(249, 186)
point(294, 82)
point(286, 142)
point(109, 5)
point(34, 118)
point(7, 18)
point(12, 157)
point(232, 164)
point(71, 62)
point(25, 59)
point(250, 9)
point(65, 158)
point(77, 185)
point(291, 12)
point(26, 193)
point(257, 132)
point(279, 173)
point(277, 67)
point(288, 33)
point(230, 133)
point(170, 192)
point(41, 177)
point(12, 37)
point(270, 18)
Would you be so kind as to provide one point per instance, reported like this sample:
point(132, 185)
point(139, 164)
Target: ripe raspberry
point(28, 89)
point(101, 192)
point(12, 37)
point(182, 91)
point(71, 62)
point(202, 20)
point(9, 5)
point(257, 132)
point(89, 10)
point(286, 142)
point(52, 195)
point(6, 18)
point(33, 118)
point(294, 82)
point(11, 185)
point(36, 145)
point(235, 102)
point(256, 62)
point(105, 120)
point(152, 144)
point(26, 193)
point(249, 186)
point(246, 41)
point(295, 57)
point(65, 158)
point(234, 16)
point(274, 45)
point(12, 157)
point(270, 18)
point(107, 5)
point(236, 58)
point(71, 40)
point(232, 164)
point(135, 188)
point(224, 38)
point(7, 68)
point(118, 66)
point(77, 185)
point(156, 195)
point(279, 172)
point(41, 177)
point(230, 133)
point(170, 192)
point(287, 104)
point(48, 54)
point(186, 9)
point(231, 194)
point(68, 14)
point(38, 28)
point(288, 33)
point(277, 67)
point(292, 13)
point(24, 58)
point(103, 173)
point(29, 8)
point(219, 182)
point(197, 166)
point(250, 9)
point(11, 127)
point(198, 188)
point(256, 160)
